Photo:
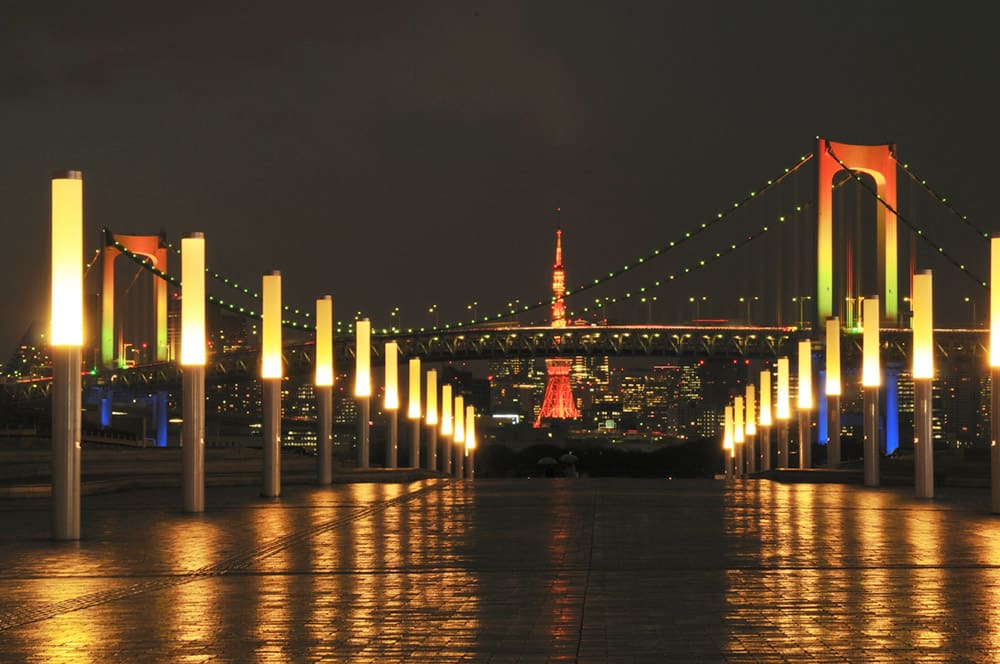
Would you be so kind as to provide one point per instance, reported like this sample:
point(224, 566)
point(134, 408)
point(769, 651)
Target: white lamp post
point(459, 438)
point(391, 403)
point(784, 412)
point(363, 385)
point(470, 442)
point(765, 419)
point(271, 375)
point(751, 428)
point(413, 411)
point(923, 379)
point(324, 390)
point(193, 357)
point(432, 419)
point(871, 380)
point(805, 404)
point(447, 428)
point(833, 392)
point(739, 436)
point(66, 341)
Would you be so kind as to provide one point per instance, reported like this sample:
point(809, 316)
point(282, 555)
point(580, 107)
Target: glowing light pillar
point(459, 437)
point(193, 357)
point(995, 373)
point(470, 442)
point(431, 419)
point(447, 428)
point(363, 385)
point(765, 419)
point(413, 411)
point(784, 412)
point(805, 404)
point(324, 390)
point(727, 441)
point(66, 341)
point(271, 375)
point(739, 437)
point(751, 428)
point(871, 379)
point(923, 378)
point(391, 403)
point(833, 391)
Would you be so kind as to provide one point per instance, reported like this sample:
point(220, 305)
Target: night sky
point(413, 153)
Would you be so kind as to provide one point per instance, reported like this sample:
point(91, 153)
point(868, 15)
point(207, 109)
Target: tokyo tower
point(558, 403)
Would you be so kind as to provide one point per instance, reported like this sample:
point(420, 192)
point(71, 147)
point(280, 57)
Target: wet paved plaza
point(506, 571)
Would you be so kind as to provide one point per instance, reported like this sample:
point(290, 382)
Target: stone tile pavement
point(508, 571)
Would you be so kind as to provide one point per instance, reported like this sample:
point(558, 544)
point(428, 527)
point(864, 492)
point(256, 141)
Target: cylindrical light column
point(459, 438)
point(413, 413)
point(727, 441)
point(923, 379)
point(871, 380)
point(751, 428)
point(995, 374)
point(391, 403)
point(324, 390)
point(363, 386)
point(193, 357)
point(833, 392)
point(447, 428)
point(784, 412)
point(739, 436)
point(470, 442)
point(66, 342)
point(805, 403)
point(431, 419)
point(765, 419)
point(271, 374)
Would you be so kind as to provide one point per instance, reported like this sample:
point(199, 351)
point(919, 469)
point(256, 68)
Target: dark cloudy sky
point(412, 153)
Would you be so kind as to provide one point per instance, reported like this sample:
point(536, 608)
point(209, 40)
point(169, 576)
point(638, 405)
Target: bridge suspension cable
point(673, 244)
point(942, 200)
point(697, 265)
point(919, 231)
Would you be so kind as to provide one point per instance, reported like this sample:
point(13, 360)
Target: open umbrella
point(569, 459)
point(547, 461)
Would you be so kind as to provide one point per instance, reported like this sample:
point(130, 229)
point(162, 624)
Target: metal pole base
point(392, 439)
point(364, 431)
point(765, 448)
point(459, 466)
point(446, 455)
point(66, 413)
point(833, 431)
point(783, 444)
point(272, 438)
point(432, 444)
point(470, 464)
point(193, 439)
point(415, 443)
point(324, 435)
point(805, 440)
point(871, 446)
point(995, 440)
point(923, 445)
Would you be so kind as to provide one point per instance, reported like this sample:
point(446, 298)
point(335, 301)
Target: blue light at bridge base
point(822, 430)
point(891, 410)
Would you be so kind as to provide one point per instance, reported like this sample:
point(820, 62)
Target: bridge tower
point(878, 161)
point(154, 248)
point(558, 403)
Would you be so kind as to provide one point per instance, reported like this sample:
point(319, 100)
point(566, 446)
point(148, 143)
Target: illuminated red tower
point(558, 403)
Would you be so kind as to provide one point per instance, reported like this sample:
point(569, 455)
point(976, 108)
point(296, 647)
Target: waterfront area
point(539, 570)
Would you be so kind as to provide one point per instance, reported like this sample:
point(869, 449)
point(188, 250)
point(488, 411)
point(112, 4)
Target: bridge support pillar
point(193, 439)
point(891, 409)
point(66, 414)
point(324, 437)
point(160, 418)
point(392, 439)
point(272, 437)
point(872, 449)
point(833, 430)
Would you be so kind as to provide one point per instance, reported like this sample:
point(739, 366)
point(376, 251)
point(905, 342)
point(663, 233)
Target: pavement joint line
point(235, 563)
